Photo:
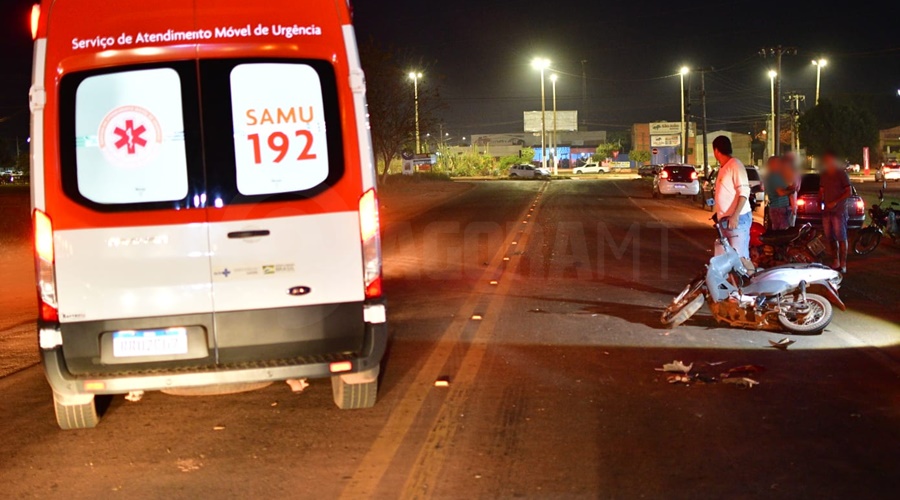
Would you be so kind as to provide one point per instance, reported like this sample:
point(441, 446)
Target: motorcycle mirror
point(715, 218)
point(710, 202)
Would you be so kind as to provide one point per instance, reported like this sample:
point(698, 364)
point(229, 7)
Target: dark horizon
point(480, 56)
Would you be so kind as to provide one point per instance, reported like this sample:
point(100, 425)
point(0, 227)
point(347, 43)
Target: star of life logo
point(129, 136)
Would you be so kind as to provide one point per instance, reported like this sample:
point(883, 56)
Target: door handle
point(257, 233)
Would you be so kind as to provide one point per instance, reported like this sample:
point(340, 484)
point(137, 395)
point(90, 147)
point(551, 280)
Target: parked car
point(526, 171)
point(676, 180)
point(648, 170)
point(591, 168)
point(888, 171)
point(757, 190)
point(809, 206)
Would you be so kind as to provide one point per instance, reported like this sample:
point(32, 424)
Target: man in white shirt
point(732, 197)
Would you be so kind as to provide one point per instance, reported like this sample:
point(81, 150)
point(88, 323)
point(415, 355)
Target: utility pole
point(584, 92)
point(795, 99)
point(703, 105)
point(776, 52)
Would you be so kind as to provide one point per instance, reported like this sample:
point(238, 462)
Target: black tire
point(513, 175)
point(577, 172)
point(818, 318)
point(685, 304)
point(75, 416)
point(866, 241)
point(354, 396)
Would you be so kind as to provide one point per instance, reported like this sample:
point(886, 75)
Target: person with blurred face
point(778, 191)
point(834, 191)
point(732, 195)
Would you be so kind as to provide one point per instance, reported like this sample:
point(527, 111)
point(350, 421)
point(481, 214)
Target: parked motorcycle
point(770, 248)
point(884, 222)
point(778, 298)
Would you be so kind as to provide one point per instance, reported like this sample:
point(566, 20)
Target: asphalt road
point(552, 394)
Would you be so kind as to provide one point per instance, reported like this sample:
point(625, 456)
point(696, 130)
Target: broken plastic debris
point(297, 385)
point(679, 379)
point(442, 382)
point(782, 344)
point(493, 282)
point(476, 317)
point(505, 258)
point(134, 396)
point(274, 404)
point(218, 427)
point(676, 366)
point(741, 381)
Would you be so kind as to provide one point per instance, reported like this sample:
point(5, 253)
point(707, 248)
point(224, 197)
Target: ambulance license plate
point(140, 343)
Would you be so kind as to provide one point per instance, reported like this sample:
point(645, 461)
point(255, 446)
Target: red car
point(809, 206)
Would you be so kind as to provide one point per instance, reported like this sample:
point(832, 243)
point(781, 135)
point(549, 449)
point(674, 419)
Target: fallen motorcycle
point(777, 299)
point(884, 222)
point(800, 245)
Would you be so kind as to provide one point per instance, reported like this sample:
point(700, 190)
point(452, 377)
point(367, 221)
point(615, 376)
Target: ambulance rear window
point(123, 141)
point(188, 135)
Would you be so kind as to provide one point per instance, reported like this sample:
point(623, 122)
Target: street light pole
point(819, 64)
point(553, 78)
point(414, 76)
point(684, 71)
point(772, 130)
point(542, 64)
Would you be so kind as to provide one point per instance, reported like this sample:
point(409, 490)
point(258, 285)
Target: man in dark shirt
point(834, 190)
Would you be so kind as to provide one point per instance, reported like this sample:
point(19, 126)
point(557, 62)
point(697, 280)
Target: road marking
point(380, 455)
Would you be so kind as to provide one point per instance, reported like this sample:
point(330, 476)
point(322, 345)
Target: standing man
point(732, 197)
point(792, 175)
point(834, 190)
point(778, 191)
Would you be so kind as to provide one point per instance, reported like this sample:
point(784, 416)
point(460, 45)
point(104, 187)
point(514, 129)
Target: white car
point(591, 168)
point(888, 172)
point(526, 171)
point(676, 179)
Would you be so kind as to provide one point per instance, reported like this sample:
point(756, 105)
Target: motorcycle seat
point(781, 236)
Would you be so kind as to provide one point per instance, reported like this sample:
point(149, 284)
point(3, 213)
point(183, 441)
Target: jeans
point(738, 237)
point(780, 217)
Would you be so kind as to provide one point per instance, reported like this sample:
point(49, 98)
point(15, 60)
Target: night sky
point(479, 53)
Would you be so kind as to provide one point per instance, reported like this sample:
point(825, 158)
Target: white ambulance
point(204, 200)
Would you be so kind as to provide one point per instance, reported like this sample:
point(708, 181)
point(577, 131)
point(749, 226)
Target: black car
point(648, 170)
point(809, 206)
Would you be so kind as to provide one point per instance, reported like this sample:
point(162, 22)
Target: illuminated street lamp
point(414, 76)
point(771, 135)
point(684, 70)
point(819, 64)
point(541, 64)
point(553, 78)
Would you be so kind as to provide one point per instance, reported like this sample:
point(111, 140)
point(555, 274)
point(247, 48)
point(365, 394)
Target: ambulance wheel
point(354, 396)
point(77, 412)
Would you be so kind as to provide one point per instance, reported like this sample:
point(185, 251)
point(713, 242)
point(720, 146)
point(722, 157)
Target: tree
point(620, 137)
point(391, 103)
point(843, 128)
point(606, 150)
point(639, 156)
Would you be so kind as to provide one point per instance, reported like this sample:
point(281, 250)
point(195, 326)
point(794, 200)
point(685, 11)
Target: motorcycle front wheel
point(684, 305)
point(866, 241)
point(806, 322)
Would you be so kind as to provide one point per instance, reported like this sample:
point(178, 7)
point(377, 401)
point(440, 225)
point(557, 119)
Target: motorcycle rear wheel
point(815, 321)
point(866, 241)
point(684, 305)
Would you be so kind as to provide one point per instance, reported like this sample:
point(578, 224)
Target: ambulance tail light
point(35, 19)
point(370, 233)
point(44, 263)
